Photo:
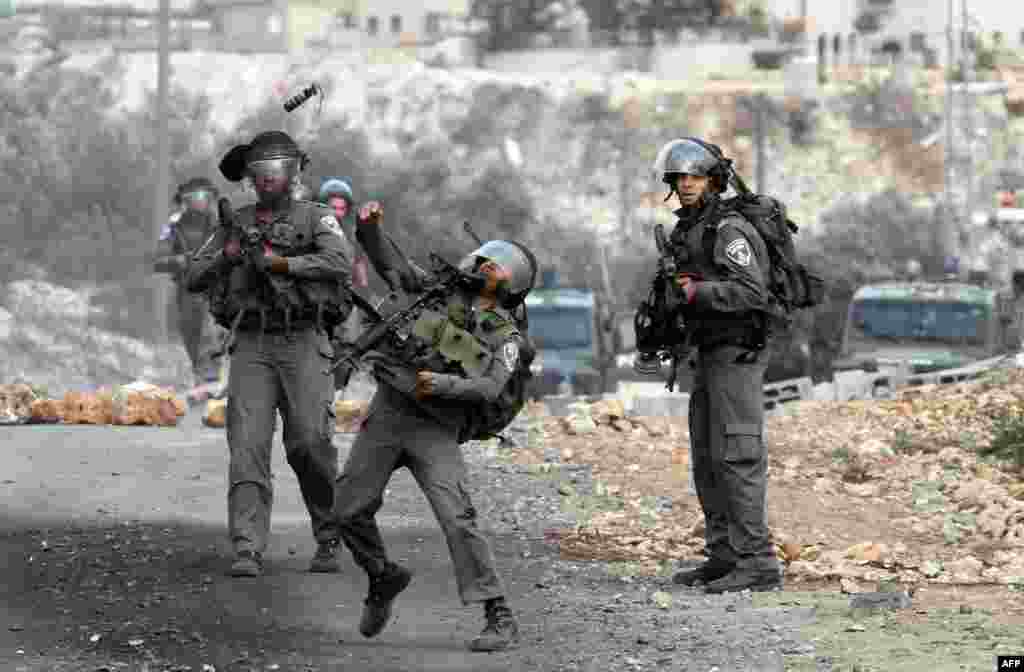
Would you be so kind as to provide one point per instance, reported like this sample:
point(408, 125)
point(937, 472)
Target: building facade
point(844, 32)
point(374, 24)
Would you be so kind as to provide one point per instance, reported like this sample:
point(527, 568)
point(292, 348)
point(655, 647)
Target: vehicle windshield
point(558, 328)
point(946, 322)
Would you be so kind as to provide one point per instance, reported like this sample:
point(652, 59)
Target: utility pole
point(952, 239)
point(965, 69)
point(759, 131)
point(163, 177)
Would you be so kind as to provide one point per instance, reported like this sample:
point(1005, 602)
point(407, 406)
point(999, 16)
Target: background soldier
point(722, 284)
point(336, 193)
point(183, 235)
point(278, 278)
point(422, 410)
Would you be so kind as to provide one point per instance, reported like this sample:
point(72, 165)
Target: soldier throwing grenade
point(422, 410)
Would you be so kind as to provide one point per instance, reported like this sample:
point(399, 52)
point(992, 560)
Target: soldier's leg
point(189, 324)
point(308, 411)
point(705, 451)
point(360, 488)
point(436, 462)
point(736, 392)
point(208, 343)
point(251, 416)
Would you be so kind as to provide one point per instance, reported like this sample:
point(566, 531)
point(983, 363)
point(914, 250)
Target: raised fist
point(370, 212)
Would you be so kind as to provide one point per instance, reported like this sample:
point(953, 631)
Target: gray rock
point(884, 600)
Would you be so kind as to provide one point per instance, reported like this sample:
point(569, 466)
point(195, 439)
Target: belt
point(273, 321)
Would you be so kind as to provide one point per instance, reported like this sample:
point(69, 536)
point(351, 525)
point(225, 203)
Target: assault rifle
point(252, 241)
point(439, 286)
point(663, 333)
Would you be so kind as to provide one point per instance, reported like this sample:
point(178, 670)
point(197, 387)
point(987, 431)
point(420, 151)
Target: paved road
point(135, 528)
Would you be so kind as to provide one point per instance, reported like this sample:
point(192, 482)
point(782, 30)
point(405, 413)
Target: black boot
point(501, 631)
point(708, 571)
point(754, 580)
point(384, 588)
point(326, 558)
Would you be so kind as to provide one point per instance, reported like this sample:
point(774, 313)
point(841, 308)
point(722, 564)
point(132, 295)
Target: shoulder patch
point(738, 252)
point(510, 355)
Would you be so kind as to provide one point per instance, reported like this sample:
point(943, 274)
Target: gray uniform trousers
point(730, 459)
point(284, 372)
point(198, 334)
point(397, 435)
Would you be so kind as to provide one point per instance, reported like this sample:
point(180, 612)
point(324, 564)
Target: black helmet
point(274, 148)
point(691, 156)
point(514, 258)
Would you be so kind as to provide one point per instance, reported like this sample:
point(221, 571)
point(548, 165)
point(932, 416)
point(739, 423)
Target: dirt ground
point(115, 548)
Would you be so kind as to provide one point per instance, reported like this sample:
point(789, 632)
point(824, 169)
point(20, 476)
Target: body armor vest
point(250, 298)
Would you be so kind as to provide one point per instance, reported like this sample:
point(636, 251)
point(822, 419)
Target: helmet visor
point(506, 255)
point(684, 156)
point(281, 168)
point(199, 199)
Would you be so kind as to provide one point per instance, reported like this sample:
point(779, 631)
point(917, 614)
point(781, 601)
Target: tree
point(512, 23)
point(672, 16)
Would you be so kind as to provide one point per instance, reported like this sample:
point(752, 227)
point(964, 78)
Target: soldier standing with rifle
point(277, 274)
point(711, 298)
point(462, 350)
point(184, 233)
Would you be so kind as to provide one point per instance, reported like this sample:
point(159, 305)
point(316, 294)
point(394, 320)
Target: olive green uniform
point(179, 240)
point(280, 354)
point(424, 436)
point(726, 415)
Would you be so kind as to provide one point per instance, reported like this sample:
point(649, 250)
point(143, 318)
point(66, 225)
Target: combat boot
point(706, 572)
point(325, 559)
point(247, 563)
point(754, 580)
point(501, 631)
point(384, 588)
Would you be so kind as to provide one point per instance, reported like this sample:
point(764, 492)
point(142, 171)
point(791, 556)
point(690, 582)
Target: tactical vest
point(695, 248)
point(190, 230)
point(251, 299)
point(445, 343)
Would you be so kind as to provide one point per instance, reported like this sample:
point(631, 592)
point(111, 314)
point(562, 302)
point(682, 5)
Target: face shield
point(274, 175)
point(513, 261)
point(683, 156)
point(200, 200)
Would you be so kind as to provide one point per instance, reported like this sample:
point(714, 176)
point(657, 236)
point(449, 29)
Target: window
point(372, 25)
point(918, 321)
point(432, 25)
point(917, 42)
point(396, 23)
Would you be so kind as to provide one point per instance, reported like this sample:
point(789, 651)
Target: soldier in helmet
point(336, 193)
point(723, 287)
point(185, 233)
point(279, 280)
point(422, 411)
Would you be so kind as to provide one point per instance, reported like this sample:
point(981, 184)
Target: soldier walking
point(278, 279)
